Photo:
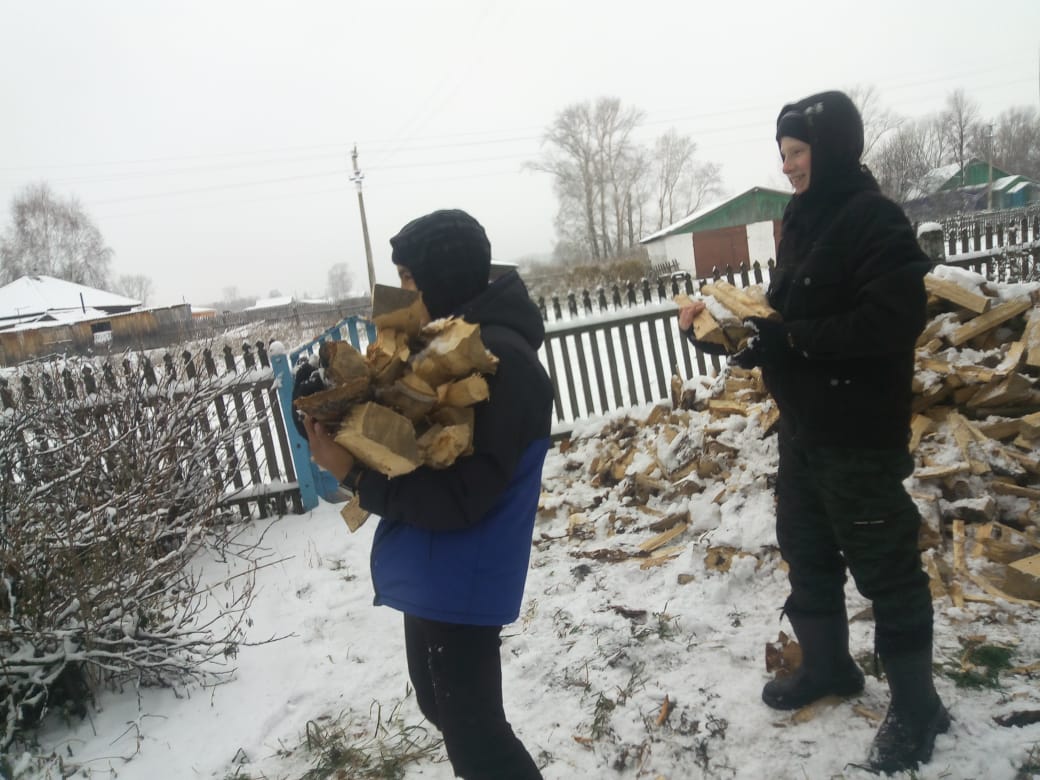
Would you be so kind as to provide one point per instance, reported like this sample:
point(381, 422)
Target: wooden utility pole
point(357, 179)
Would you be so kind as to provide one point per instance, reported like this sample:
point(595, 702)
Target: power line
point(394, 144)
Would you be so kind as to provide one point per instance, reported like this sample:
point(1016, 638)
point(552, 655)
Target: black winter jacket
point(849, 283)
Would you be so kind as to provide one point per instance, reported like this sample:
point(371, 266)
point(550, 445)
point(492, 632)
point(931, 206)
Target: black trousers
point(456, 671)
point(841, 508)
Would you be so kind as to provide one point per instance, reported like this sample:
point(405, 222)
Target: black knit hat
point(793, 125)
point(831, 124)
point(448, 255)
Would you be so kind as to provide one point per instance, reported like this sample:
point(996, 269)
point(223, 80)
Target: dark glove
point(769, 345)
point(707, 347)
point(306, 382)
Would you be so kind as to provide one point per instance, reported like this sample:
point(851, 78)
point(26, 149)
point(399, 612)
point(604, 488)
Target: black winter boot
point(826, 669)
point(915, 715)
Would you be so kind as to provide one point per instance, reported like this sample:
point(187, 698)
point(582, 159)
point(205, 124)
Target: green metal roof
point(758, 204)
point(975, 172)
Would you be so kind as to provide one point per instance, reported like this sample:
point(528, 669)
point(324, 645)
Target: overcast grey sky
point(210, 141)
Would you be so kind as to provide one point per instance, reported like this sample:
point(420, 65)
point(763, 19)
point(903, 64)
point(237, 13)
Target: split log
point(1000, 429)
point(954, 293)
point(1022, 578)
point(353, 515)
point(343, 363)
point(990, 320)
point(442, 445)
point(329, 406)
point(723, 407)
point(1010, 489)
point(919, 426)
point(743, 302)
point(410, 396)
point(463, 392)
point(380, 438)
point(993, 590)
point(397, 309)
point(1031, 339)
point(1001, 544)
point(1013, 390)
point(941, 472)
point(388, 356)
point(454, 351)
point(705, 327)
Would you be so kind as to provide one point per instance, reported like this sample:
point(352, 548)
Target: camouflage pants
point(842, 509)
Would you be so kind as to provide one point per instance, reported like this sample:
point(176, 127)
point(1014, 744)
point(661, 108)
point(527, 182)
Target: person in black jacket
point(453, 545)
point(849, 287)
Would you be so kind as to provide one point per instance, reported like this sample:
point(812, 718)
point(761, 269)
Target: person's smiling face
point(797, 157)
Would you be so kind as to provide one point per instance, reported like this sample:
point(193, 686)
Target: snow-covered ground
point(598, 648)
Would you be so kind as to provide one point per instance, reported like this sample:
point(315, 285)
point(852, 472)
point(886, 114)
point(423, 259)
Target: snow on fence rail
point(256, 464)
point(989, 231)
point(601, 355)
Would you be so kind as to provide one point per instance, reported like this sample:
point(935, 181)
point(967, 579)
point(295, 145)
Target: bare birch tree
point(607, 183)
point(53, 237)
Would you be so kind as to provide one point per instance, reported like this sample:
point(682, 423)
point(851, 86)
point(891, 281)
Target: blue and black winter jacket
point(454, 544)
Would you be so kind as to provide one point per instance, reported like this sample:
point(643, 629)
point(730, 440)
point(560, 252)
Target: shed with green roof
point(742, 229)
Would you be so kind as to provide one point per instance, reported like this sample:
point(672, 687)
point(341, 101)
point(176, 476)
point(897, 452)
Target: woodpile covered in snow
point(976, 444)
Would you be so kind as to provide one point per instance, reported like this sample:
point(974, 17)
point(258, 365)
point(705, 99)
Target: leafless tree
point(607, 183)
point(960, 122)
point(877, 119)
point(618, 167)
point(136, 286)
point(54, 237)
point(904, 157)
point(673, 153)
point(1016, 141)
point(340, 282)
point(571, 157)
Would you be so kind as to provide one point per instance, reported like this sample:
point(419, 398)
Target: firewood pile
point(408, 401)
point(976, 443)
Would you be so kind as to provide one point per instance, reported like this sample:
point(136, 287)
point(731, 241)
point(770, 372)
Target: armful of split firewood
point(719, 325)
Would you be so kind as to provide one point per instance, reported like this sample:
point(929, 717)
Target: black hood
point(832, 126)
point(449, 257)
point(507, 303)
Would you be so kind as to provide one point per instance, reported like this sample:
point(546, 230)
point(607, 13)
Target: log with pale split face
point(797, 157)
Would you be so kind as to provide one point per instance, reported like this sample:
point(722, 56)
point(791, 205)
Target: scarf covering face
point(449, 256)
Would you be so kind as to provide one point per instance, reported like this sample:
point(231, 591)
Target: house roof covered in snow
point(270, 303)
point(32, 295)
point(758, 204)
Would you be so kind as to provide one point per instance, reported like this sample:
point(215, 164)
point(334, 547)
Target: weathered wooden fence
point(256, 464)
point(605, 350)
